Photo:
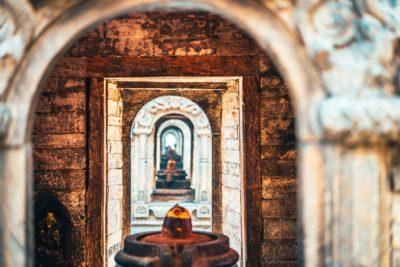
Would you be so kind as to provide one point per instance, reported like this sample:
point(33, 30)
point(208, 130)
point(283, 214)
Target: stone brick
point(114, 176)
point(114, 108)
point(277, 131)
point(114, 161)
point(62, 180)
point(278, 168)
point(114, 94)
point(59, 123)
point(279, 208)
point(67, 101)
point(232, 156)
point(232, 144)
point(230, 117)
point(280, 153)
point(59, 140)
point(57, 159)
point(127, 27)
point(231, 168)
point(230, 132)
point(275, 250)
point(114, 192)
point(230, 100)
point(114, 133)
point(114, 121)
point(114, 147)
point(277, 108)
point(114, 215)
point(231, 180)
point(279, 229)
point(278, 187)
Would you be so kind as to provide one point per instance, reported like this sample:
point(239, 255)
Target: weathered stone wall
point(278, 170)
point(114, 172)
point(59, 144)
point(182, 44)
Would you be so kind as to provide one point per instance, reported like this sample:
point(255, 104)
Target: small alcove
point(53, 236)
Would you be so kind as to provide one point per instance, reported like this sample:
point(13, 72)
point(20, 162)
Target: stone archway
point(263, 26)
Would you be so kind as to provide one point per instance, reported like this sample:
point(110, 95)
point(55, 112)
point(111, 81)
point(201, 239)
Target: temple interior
point(152, 109)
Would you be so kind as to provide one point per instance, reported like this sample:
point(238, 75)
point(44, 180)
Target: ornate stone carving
point(363, 120)
point(16, 28)
point(151, 112)
point(348, 40)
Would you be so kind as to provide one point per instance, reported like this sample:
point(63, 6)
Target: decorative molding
point(360, 120)
point(16, 29)
point(149, 114)
point(349, 41)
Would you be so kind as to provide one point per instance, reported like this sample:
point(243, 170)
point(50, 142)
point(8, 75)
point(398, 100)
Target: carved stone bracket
point(360, 120)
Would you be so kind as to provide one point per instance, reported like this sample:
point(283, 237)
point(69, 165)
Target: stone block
point(230, 132)
point(115, 192)
point(232, 156)
point(114, 176)
point(230, 100)
point(128, 27)
point(279, 229)
point(275, 250)
point(114, 108)
point(114, 147)
point(231, 180)
point(57, 159)
point(230, 198)
point(114, 121)
point(114, 161)
point(230, 117)
point(279, 208)
point(232, 144)
point(279, 152)
point(114, 133)
point(71, 123)
point(114, 216)
point(59, 141)
point(278, 187)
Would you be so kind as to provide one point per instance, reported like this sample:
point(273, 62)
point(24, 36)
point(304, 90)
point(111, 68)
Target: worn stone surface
point(59, 153)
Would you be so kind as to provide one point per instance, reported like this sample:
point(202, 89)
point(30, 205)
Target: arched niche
point(53, 231)
point(186, 145)
point(143, 166)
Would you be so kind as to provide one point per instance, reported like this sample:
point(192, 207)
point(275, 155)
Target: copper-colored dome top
point(176, 229)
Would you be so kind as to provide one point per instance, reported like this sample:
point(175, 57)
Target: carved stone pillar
point(205, 167)
point(15, 198)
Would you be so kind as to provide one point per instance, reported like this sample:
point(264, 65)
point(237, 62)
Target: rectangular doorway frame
point(235, 83)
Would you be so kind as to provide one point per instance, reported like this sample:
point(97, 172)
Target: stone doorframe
point(142, 134)
point(349, 124)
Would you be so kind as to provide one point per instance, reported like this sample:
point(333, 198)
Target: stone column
point(142, 194)
point(16, 205)
point(205, 167)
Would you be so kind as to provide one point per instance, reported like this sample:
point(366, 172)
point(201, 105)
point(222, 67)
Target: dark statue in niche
point(171, 182)
point(52, 232)
point(49, 243)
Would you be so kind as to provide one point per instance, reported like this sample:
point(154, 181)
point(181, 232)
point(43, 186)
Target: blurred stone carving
point(16, 28)
point(352, 36)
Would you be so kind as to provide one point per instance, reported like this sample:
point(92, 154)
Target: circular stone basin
point(177, 245)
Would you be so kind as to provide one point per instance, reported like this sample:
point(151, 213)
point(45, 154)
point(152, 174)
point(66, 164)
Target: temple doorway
point(114, 178)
